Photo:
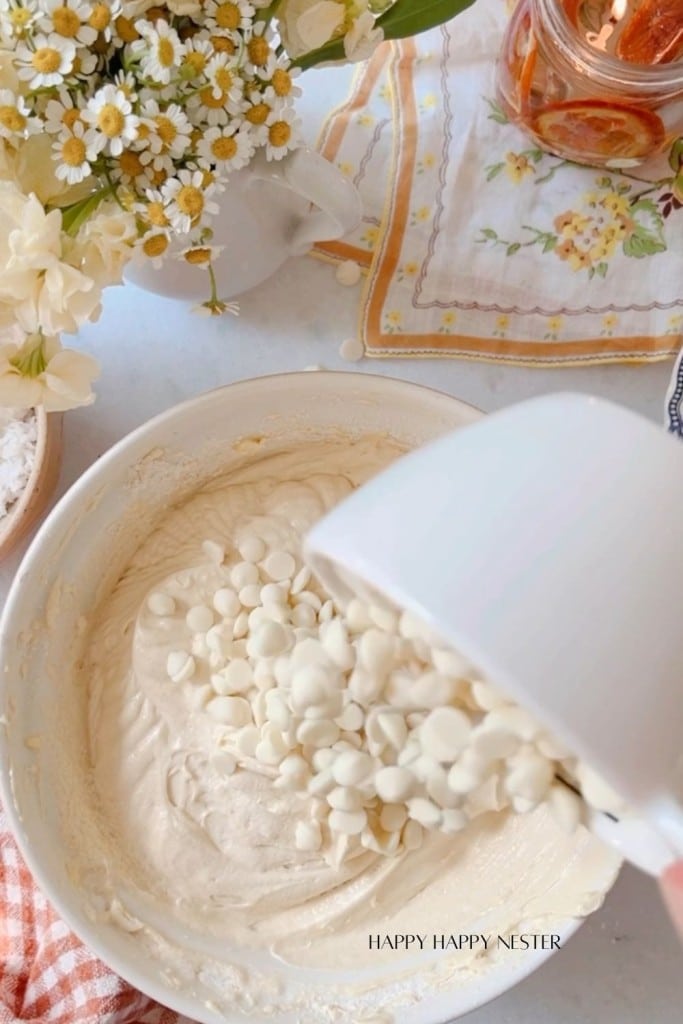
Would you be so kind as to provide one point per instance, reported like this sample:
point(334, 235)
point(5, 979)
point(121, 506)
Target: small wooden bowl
point(41, 483)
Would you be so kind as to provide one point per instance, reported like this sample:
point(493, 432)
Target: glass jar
point(579, 102)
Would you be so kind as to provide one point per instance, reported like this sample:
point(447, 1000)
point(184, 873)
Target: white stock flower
point(362, 39)
point(40, 372)
point(104, 244)
point(306, 25)
point(67, 299)
point(47, 62)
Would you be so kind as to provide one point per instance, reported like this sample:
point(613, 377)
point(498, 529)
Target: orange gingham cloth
point(47, 975)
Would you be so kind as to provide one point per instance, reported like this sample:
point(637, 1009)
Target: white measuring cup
point(545, 543)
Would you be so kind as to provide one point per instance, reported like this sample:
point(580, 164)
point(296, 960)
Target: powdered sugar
point(18, 440)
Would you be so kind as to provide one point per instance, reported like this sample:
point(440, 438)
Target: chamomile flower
point(205, 107)
point(125, 83)
point(280, 77)
point(103, 17)
point(228, 148)
point(258, 109)
point(71, 154)
point(62, 113)
point(47, 62)
point(160, 50)
point(283, 133)
point(169, 129)
point(258, 46)
point(85, 63)
point(200, 255)
point(229, 15)
point(154, 247)
point(224, 79)
point(17, 19)
point(16, 121)
point(198, 53)
point(188, 200)
point(68, 19)
point(113, 124)
point(152, 212)
point(130, 170)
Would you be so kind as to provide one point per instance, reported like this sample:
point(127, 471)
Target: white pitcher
point(268, 212)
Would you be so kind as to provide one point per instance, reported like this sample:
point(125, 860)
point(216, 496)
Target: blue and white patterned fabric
point(674, 400)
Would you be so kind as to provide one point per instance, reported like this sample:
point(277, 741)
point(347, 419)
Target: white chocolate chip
point(349, 823)
point(250, 596)
point(160, 603)
point(180, 666)
point(445, 733)
point(227, 603)
point(279, 565)
point(233, 711)
point(251, 548)
point(269, 640)
point(352, 350)
point(394, 784)
point(352, 767)
point(348, 273)
point(199, 618)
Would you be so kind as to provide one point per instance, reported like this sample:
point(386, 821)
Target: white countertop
point(625, 965)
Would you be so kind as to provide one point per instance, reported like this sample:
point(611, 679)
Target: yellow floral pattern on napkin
point(485, 246)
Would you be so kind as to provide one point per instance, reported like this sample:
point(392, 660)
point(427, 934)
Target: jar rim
point(601, 67)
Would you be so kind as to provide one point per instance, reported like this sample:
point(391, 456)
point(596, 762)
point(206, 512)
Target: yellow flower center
point(70, 117)
point(258, 113)
point(156, 215)
point(222, 44)
point(207, 178)
point(165, 52)
point(196, 61)
point(46, 60)
point(259, 51)
point(110, 121)
point(143, 132)
point(279, 133)
point(73, 152)
point(11, 119)
point(228, 16)
point(66, 22)
point(223, 79)
point(166, 130)
point(198, 257)
point(156, 245)
point(130, 164)
point(100, 16)
point(159, 177)
point(190, 201)
point(282, 82)
point(223, 148)
point(126, 30)
point(20, 17)
point(209, 100)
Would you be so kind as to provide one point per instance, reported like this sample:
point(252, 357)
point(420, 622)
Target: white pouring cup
point(545, 542)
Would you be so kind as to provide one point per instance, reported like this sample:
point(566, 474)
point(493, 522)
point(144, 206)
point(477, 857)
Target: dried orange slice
point(581, 129)
point(654, 34)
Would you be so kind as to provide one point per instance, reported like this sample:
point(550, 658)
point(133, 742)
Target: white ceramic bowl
point(111, 508)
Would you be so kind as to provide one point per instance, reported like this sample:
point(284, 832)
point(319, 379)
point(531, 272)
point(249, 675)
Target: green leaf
point(601, 269)
point(407, 18)
point(497, 113)
point(604, 182)
point(648, 234)
point(512, 249)
point(493, 170)
point(549, 243)
point(489, 233)
point(642, 243)
point(676, 156)
point(74, 217)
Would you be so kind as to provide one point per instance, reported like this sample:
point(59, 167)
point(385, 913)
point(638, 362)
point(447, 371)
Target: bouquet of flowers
point(120, 124)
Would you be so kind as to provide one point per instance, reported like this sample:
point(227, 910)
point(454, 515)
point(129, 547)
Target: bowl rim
point(494, 982)
point(17, 510)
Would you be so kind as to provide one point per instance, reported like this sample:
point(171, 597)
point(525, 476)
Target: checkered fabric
point(47, 976)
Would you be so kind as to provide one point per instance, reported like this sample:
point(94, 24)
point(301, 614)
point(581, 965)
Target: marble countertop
point(624, 966)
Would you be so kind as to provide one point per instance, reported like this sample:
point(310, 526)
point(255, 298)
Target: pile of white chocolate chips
point(364, 709)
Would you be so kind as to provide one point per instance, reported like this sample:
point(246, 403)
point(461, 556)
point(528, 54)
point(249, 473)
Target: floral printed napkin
point(478, 244)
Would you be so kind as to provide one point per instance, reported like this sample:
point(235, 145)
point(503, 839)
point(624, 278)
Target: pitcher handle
point(338, 207)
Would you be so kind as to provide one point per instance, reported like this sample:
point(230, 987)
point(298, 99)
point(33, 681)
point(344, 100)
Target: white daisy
point(160, 50)
point(112, 122)
point(198, 53)
point(222, 74)
point(228, 148)
point(258, 45)
point(62, 113)
point(85, 63)
point(103, 16)
point(16, 20)
point(47, 63)
point(152, 212)
point(200, 255)
point(206, 108)
point(68, 19)
point(153, 246)
point(283, 133)
point(261, 107)
point(280, 76)
point(70, 151)
point(169, 129)
point(130, 169)
point(125, 82)
point(229, 15)
point(16, 120)
point(188, 200)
